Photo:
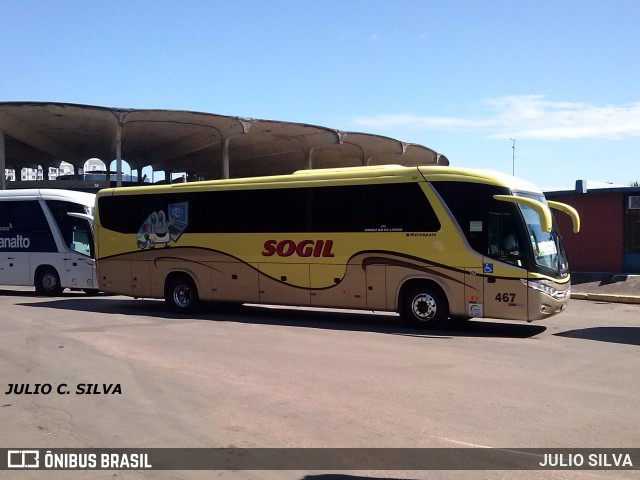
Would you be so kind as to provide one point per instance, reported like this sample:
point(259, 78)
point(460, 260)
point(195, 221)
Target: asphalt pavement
point(256, 377)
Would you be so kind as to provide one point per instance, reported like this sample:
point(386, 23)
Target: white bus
point(46, 240)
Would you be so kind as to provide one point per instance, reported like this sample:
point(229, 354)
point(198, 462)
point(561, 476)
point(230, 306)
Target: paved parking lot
point(263, 377)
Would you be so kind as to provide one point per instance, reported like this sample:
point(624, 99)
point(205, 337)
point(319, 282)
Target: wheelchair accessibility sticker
point(487, 267)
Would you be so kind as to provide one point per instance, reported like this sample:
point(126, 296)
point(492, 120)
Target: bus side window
point(502, 239)
point(26, 218)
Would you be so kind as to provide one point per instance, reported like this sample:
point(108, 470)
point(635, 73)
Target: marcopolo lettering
point(304, 248)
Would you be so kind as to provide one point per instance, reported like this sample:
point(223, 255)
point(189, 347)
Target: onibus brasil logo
point(82, 460)
point(23, 459)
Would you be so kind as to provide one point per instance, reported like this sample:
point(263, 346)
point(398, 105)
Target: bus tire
point(425, 306)
point(181, 294)
point(47, 282)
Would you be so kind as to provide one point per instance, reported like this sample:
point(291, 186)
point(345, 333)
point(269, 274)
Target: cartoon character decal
point(158, 230)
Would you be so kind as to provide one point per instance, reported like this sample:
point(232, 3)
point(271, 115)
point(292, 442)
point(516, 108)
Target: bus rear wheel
point(425, 307)
point(181, 294)
point(47, 282)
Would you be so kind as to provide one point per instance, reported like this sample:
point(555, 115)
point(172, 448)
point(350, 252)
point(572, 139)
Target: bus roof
point(83, 198)
point(345, 175)
point(477, 175)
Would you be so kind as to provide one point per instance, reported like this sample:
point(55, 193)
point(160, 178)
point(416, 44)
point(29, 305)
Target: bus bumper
point(546, 298)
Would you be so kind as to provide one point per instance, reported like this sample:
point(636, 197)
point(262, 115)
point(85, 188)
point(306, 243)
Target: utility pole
point(513, 158)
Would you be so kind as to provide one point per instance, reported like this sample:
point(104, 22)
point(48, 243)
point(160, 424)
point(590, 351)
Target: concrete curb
point(604, 297)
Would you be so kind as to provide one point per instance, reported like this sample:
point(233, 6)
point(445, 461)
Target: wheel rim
point(182, 296)
point(49, 281)
point(424, 307)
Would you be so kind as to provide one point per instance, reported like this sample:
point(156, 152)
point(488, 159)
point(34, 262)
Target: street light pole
point(513, 158)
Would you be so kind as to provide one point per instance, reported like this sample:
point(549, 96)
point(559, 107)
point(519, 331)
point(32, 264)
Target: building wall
point(599, 245)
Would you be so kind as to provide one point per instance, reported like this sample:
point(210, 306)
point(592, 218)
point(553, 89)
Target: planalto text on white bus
point(15, 242)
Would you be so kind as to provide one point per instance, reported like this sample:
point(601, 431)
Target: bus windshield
point(548, 250)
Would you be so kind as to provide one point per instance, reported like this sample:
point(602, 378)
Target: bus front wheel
point(425, 307)
point(47, 282)
point(181, 294)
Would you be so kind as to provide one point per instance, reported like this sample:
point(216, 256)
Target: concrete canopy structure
point(203, 145)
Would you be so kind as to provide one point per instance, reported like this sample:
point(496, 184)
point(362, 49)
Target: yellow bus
point(431, 243)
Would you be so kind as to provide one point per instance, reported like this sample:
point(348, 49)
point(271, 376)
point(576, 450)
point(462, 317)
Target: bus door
point(505, 296)
point(80, 271)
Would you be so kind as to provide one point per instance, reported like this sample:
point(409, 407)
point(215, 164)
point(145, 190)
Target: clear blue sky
point(462, 77)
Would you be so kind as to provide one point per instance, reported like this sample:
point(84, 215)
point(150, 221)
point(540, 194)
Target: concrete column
point(246, 126)
point(309, 157)
point(119, 150)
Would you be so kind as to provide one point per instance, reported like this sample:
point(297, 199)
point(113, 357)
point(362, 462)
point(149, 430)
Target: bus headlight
point(546, 289)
